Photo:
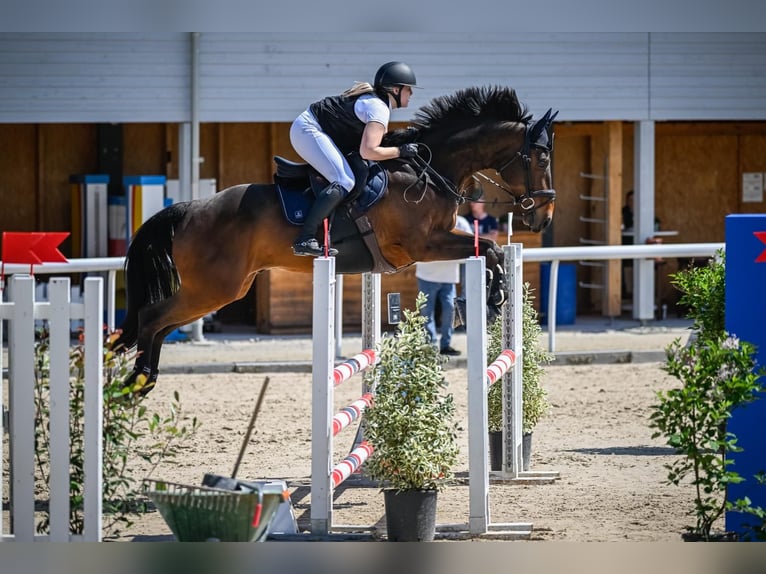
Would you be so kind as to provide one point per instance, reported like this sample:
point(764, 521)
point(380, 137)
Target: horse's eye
point(544, 160)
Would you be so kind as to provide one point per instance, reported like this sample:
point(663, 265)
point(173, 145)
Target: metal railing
point(554, 255)
point(606, 252)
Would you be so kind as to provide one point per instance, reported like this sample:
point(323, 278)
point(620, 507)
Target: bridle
point(537, 135)
point(527, 201)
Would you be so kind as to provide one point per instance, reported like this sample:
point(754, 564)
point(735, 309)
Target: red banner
point(33, 248)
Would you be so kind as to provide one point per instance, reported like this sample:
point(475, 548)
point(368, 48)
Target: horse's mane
point(488, 102)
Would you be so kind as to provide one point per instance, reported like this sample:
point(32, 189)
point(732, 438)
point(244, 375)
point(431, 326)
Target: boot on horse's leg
point(325, 203)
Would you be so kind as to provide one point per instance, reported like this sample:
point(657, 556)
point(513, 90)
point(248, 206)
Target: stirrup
point(312, 248)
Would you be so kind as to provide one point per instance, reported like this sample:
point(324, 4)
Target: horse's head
point(528, 174)
point(483, 128)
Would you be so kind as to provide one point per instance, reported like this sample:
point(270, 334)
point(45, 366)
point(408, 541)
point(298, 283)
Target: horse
point(192, 258)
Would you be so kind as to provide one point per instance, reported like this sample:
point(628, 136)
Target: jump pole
point(478, 420)
point(323, 351)
point(325, 424)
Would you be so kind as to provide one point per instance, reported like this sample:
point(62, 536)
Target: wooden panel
point(144, 149)
point(697, 185)
point(613, 300)
point(245, 154)
point(65, 150)
point(18, 177)
point(752, 156)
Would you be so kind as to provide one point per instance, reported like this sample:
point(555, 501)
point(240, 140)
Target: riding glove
point(408, 150)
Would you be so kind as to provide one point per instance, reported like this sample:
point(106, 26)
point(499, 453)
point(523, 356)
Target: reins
point(526, 202)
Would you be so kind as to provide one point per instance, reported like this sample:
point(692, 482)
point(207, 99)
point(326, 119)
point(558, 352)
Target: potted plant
point(717, 375)
point(410, 427)
point(534, 397)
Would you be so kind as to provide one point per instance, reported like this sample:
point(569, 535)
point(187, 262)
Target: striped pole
point(357, 363)
point(351, 413)
point(500, 366)
point(350, 464)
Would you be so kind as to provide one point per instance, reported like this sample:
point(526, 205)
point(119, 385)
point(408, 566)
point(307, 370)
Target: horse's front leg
point(496, 283)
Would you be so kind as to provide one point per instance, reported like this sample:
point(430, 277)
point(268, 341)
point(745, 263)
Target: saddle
point(297, 185)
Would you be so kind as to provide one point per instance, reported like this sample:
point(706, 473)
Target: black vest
point(336, 116)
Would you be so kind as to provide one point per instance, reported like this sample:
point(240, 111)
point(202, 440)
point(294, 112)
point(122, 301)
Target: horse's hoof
point(140, 383)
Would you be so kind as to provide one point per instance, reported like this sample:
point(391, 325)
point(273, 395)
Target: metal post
point(196, 160)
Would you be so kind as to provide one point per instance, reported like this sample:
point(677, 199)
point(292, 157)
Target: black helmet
point(395, 74)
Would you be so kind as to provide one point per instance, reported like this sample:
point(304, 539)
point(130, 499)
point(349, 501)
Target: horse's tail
point(150, 271)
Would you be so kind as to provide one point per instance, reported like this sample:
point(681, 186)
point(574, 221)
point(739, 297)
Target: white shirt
point(443, 271)
point(370, 108)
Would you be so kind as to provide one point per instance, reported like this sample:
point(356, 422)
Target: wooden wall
point(699, 170)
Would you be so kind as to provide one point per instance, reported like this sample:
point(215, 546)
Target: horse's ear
point(538, 129)
point(553, 117)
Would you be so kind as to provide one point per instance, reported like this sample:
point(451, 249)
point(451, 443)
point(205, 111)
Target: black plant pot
point(410, 515)
point(496, 450)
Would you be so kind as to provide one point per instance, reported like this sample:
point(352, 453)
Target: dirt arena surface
point(596, 436)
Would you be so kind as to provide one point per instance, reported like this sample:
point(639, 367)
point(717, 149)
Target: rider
point(335, 126)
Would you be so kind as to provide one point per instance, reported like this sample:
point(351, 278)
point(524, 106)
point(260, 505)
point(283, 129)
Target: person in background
point(627, 219)
point(336, 126)
point(487, 223)
point(488, 229)
point(437, 280)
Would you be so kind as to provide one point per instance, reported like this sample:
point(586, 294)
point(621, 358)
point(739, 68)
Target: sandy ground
point(596, 436)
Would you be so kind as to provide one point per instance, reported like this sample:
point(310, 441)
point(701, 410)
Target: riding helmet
point(395, 74)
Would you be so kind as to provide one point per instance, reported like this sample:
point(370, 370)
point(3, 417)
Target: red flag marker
point(476, 236)
point(33, 247)
point(762, 236)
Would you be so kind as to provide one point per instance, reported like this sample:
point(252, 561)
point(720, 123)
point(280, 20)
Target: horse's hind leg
point(155, 322)
point(154, 370)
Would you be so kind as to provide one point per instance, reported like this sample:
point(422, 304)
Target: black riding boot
point(327, 200)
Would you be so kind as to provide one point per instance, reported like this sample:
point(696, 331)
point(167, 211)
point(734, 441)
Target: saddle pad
point(296, 196)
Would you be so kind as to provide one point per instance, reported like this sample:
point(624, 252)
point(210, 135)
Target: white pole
point(553, 283)
point(196, 160)
point(512, 380)
point(93, 409)
point(21, 343)
point(478, 421)
point(322, 394)
point(58, 321)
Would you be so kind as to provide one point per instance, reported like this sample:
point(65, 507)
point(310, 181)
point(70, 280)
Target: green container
point(199, 514)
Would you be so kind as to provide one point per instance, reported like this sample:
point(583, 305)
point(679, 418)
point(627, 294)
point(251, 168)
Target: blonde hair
point(358, 89)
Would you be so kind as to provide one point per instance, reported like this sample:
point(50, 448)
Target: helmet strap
point(397, 97)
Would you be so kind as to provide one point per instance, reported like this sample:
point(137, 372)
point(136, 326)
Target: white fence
point(21, 311)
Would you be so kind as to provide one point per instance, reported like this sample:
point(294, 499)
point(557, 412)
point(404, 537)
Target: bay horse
point(192, 258)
